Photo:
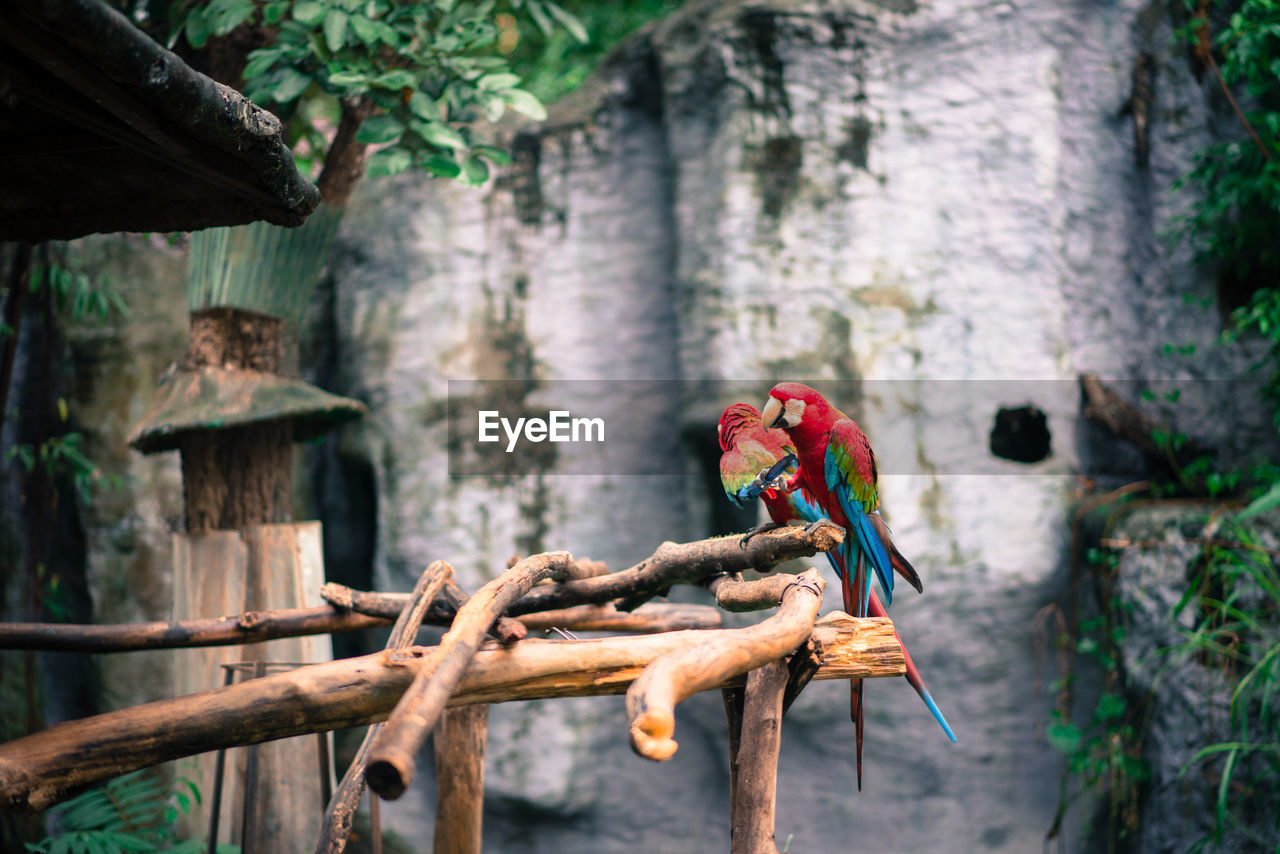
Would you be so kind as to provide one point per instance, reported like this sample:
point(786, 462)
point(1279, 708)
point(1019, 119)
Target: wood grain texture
point(723, 655)
point(392, 756)
point(40, 770)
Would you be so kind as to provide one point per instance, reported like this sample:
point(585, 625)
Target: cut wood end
point(651, 733)
point(338, 595)
point(389, 777)
point(826, 537)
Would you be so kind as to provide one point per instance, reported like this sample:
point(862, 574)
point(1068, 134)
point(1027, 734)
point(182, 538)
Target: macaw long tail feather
point(856, 708)
point(899, 563)
point(875, 609)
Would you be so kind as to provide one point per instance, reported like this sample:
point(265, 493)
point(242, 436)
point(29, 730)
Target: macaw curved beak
point(773, 413)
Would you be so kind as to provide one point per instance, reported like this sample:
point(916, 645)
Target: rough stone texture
point(887, 197)
point(1189, 702)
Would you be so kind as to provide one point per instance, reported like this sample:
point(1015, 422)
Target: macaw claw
point(759, 529)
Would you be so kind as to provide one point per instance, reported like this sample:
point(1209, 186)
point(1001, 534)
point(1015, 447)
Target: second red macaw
point(753, 457)
point(837, 471)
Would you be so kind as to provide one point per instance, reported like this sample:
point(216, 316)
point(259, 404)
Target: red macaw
point(753, 458)
point(828, 441)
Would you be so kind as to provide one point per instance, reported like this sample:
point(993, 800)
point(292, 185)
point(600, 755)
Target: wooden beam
point(724, 655)
point(392, 756)
point(40, 770)
point(340, 813)
point(460, 745)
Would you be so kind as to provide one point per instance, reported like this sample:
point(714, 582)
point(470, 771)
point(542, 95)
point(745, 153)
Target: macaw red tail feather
point(875, 609)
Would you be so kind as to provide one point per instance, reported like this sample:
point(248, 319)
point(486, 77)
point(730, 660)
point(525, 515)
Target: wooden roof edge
point(205, 109)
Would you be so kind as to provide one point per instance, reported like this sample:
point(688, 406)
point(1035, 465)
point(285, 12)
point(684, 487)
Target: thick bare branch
point(647, 619)
point(341, 811)
point(674, 677)
point(249, 627)
point(392, 757)
point(40, 770)
point(755, 773)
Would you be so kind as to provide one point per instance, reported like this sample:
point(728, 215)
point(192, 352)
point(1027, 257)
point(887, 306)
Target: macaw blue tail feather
point(868, 541)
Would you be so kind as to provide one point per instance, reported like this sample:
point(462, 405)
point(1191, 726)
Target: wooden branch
point(754, 796)
point(647, 619)
point(341, 811)
point(687, 563)
point(249, 627)
point(460, 743)
point(40, 770)
point(671, 679)
point(344, 162)
point(391, 759)
point(734, 594)
point(1107, 407)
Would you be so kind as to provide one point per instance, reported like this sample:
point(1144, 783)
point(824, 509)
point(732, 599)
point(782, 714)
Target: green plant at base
point(132, 814)
point(1237, 596)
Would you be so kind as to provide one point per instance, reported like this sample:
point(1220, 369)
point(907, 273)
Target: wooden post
point(753, 773)
point(460, 742)
point(226, 572)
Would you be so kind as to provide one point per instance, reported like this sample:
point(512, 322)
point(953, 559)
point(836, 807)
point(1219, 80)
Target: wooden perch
point(647, 619)
point(341, 811)
point(391, 759)
point(674, 677)
point(753, 774)
point(460, 740)
point(249, 627)
point(689, 563)
point(39, 770)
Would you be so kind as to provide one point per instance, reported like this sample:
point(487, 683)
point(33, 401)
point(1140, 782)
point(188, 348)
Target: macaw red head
point(736, 418)
point(790, 404)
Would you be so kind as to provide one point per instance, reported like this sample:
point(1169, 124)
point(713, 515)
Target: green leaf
point(441, 135)
point(493, 107)
point(1064, 737)
point(525, 104)
point(335, 30)
point(568, 21)
point(1267, 501)
point(475, 170)
point(496, 155)
point(442, 166)
point(388, 161)
point(424, 107)
point(197, 29)
point(365, 29)
point(1110, 706)
point(273, 13)
point(380, 129)
point(289, 86)
point(260, 61)
point(503, 80)
point(398, 78)
point(348, 79)
point(308, 12)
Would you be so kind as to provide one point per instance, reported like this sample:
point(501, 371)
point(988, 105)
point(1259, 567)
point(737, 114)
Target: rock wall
point(932, 210)
point(935, 210)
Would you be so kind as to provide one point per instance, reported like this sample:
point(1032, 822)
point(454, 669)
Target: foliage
point(131, 814)
point(1236, 596)
point(1235, 221)
point(428, 68)
point(552, 61)
point(1105, 754)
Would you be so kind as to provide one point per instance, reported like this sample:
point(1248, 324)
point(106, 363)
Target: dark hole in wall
point(1021, 434)
point(725, 518)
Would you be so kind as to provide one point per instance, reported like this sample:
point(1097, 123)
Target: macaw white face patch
point(793, 411)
